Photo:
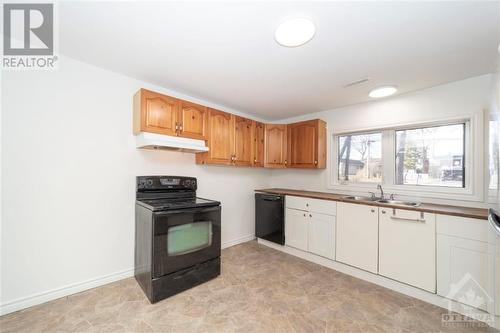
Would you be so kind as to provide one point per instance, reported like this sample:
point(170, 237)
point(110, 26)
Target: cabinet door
point(243, 139)
point(296, 229)
point(275, 147)
point(407, 246)
point(357, 236)
point(220, 137)
point(321, 235)
point(464, 263)
point(157, 112)
point(307, 144)
point(192, 120)
point(258, 147)
point(302, 144)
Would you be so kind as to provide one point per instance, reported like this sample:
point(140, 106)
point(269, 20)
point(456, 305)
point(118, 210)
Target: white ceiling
point(226, 53)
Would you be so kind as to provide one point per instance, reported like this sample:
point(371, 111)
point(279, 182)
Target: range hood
point(166, 142)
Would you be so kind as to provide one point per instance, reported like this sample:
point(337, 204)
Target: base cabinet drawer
point(407, 247)
point(357, 236)
point(326, 207)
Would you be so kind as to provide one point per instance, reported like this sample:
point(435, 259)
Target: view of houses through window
point(360, 157)
point(431, 156)
point(428, 156)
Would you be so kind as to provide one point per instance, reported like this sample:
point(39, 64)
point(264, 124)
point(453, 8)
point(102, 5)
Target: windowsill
point(411, 192)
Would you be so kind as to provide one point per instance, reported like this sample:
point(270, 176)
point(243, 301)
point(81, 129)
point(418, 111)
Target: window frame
point(473, 162)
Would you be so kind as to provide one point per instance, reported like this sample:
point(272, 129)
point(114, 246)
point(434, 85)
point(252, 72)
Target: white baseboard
point(43, 297)
point(382, 281)
point(237, 241)
point(32, 300)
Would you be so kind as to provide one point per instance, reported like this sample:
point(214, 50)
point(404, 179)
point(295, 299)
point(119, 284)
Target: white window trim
point(474, 163)
point(491, 194)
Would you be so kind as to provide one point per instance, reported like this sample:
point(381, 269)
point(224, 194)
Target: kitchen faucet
point(379, 187)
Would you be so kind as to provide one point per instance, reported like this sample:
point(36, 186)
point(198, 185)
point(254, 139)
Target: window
point(360, 157)
point(427, 160)
point(432, 156)
point(494, 157)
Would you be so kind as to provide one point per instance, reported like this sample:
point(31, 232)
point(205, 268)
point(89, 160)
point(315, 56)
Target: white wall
point(464, 98)
point(69, 166)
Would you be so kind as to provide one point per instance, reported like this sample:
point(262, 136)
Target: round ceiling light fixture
point(295, 32)
point(383, 91)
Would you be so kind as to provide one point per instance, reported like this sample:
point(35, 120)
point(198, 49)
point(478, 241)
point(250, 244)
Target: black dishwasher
point(269, 217)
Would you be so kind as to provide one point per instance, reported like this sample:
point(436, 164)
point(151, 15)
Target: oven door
point(185, 237)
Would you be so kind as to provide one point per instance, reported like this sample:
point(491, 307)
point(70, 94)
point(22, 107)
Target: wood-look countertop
point(476, 213)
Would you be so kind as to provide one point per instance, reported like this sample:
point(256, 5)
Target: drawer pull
point(408, 220)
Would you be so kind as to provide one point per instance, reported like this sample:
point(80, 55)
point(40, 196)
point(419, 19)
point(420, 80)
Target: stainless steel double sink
point(383, 201)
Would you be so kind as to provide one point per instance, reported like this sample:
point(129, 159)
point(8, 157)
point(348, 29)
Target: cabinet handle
point(315, 162)
point(407, 220)
point(176, 126)
point(304, 214)
point(180, 127)
point(307, 205)
point(310, 215)
point(285, 162)
point(373, 210)
point(383, 212)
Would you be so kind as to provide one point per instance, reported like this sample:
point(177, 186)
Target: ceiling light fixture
point(383, 92)
point(295, 32)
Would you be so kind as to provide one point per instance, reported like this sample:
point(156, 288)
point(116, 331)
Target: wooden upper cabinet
point(307, 144)
point(231, 139)
point(275, 146)
point(193, 120)
point(243, 141)
point(155, 113)
point(220, 139)
point(258, 144)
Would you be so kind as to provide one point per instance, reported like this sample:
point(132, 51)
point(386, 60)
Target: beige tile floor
point(260, 290)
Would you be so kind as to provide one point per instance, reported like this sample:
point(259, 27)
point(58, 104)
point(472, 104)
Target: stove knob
point(149, 183)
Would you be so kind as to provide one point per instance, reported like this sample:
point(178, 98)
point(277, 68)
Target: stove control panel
point(157, 183)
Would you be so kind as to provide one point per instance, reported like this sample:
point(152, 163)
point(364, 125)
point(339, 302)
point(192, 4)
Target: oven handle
point(189, 211)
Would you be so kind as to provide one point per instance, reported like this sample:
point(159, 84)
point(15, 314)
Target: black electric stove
point(166, 204)
point(177, 237)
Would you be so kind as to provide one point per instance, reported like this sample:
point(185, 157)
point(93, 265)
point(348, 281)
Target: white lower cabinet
point(407, 250)
point(321, 235)
point(310, 231)
point(463, 261)
point(441, 254)
point(296, 228)
point(357, 236)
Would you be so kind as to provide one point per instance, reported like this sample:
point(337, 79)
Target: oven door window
point(187, 238)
